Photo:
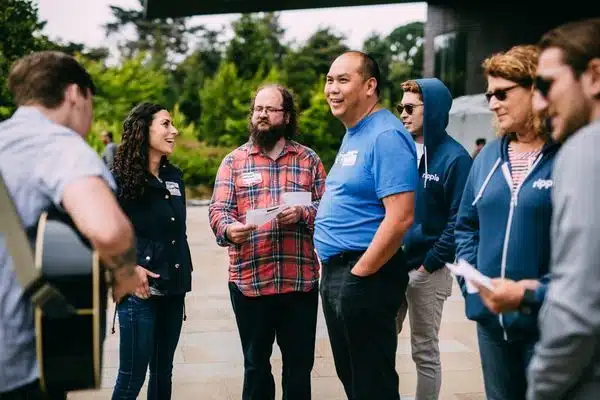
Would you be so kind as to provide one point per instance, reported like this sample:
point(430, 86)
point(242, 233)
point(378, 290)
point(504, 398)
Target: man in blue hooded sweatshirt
point(444, 166)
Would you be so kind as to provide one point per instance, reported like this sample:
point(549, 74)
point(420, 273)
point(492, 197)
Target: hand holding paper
point(261, 216)
point(471, 275)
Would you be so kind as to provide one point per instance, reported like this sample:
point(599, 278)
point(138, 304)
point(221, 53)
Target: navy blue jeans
point(149, 333)
point(360, 313)
point(289, 318)
point(504, 364)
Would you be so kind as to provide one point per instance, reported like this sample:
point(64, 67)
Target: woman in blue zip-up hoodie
point(503, 224)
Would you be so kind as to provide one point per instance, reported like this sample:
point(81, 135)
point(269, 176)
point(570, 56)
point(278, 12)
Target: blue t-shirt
point(377, 158)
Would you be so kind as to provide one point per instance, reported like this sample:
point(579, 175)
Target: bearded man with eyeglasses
point(444, 166)
point(273, 268)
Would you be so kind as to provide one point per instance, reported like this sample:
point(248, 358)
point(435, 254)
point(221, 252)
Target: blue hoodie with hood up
point(506, 237)
point(443, 171)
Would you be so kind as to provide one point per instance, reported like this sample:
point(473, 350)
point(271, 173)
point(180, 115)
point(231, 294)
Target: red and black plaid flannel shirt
point(277, 258)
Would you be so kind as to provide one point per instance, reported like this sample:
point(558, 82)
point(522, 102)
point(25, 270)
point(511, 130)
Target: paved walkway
point(208, 361)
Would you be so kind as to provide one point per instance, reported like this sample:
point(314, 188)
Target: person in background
point(479, 144)
point(273, 269)
point(503, 225)
point(110, 149)
point(152, 194)
point(429, 244)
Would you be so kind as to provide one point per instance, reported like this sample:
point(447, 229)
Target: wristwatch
point(528, 303)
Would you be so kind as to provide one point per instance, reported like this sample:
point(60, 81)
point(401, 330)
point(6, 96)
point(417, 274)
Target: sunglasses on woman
point(499, 94)
point(408, 107)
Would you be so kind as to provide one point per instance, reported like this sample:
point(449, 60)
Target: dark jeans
point(149, 332)
point(291, 318)
point(361, 321)
point(504, 364)
point(32, 392)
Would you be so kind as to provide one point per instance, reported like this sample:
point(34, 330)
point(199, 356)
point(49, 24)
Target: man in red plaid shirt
point(273, 269)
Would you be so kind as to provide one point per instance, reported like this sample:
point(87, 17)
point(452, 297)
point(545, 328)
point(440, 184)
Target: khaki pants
point(424, 301)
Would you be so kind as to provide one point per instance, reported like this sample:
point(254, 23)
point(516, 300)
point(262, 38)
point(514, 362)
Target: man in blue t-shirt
point(367, 207)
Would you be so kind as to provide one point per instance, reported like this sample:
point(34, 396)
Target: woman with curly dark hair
point(152, 194)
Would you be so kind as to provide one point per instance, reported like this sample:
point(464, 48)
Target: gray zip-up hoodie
point(566, 362)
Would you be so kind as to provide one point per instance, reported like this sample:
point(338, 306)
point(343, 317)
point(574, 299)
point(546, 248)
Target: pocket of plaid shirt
point(247, 195)
point(300, 182)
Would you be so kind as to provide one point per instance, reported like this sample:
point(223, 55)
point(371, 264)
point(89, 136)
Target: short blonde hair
point(518, 65)
point(413, 87)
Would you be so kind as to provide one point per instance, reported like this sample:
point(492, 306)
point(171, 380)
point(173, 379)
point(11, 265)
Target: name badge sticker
point(173, 188)
point(251, 178)
point(349, 158)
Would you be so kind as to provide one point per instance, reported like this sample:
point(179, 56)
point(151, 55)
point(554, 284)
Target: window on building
point(451, 61)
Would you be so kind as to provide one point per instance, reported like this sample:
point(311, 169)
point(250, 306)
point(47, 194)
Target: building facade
point(460, 35)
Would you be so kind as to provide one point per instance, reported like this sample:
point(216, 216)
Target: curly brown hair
point(519, 65)
point(131, 161)
point(411, 86)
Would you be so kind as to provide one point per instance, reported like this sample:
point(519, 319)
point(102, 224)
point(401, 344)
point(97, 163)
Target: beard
point(267, 138)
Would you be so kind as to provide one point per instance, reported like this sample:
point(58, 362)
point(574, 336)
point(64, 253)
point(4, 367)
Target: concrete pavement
point(209, 363)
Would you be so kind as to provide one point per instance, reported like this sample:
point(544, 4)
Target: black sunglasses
point(499, 94)
point(408, 107)
point(543, 85)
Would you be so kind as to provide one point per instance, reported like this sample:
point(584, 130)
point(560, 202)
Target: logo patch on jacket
point(173, 188)
point(543, 184)
point(431, 177)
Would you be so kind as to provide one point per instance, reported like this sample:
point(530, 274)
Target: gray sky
point(82, 20)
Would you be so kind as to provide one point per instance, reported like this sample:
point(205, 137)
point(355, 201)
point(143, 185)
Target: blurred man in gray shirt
point(45, 162)
point(110, 149)
point(566, 363)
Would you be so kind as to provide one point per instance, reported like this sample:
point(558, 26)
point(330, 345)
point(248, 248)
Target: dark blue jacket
point(159, 220)
point(443, 171)
point(503, 238)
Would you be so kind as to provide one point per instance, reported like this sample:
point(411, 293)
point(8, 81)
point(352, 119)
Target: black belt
point(345, 257)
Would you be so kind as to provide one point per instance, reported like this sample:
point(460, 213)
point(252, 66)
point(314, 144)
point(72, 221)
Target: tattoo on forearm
point(125, 261)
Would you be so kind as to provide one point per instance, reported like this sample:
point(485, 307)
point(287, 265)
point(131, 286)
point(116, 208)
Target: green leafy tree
point(319, 129)
point(256, 43)
point(406, 43)
point(120, 88)
point(225, 102)
point(20, 30)
point(303, 67)
point(189, 75)
point(163, 39)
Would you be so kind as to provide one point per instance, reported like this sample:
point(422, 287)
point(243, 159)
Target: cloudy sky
point(82, 20)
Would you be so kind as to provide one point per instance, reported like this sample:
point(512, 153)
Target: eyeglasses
point(269, 110)
point(408, 107)
point(543, 85)
point(499, 94)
